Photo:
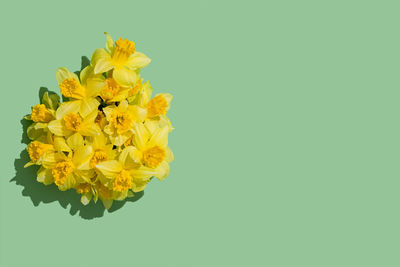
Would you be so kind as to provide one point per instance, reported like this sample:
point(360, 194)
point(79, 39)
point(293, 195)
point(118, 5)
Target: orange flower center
point(72, 88)
point(121, 121)
point(37, 149)
point(124, 49)
point(61, 171)
point(157, 106)
point(123, 181)
point(153, 157)
point(72, 121)
point(111, 90)
point(41, 114)
point(98, 156)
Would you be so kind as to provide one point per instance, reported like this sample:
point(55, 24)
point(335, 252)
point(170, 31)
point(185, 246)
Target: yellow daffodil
point(69, 121)
point(37, 151)
point(111, 91)
point(105, 194)
point(158, 105)
point(152, 150)
point(83, 92)
point(122, 58)
point(124, 174)
point(102, 149)
point(156, 108)
point(87, 191)
point(40, 151)
point(138, 93)
point(133, 92)
point(68, 171)
point(41, 115)
point(121, 119)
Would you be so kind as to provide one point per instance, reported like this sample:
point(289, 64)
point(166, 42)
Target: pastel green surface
point(286, 140)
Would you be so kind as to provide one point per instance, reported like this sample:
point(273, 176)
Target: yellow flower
point(41, 114)
point(133, 92)
point(105, 194)
point(38, 151)
point(88, 190)
point(124, 174)
point(120, 121)
point(111, 91)
point(152, 149)
point(120, 57)
point(69, 121)
point(156, 108)
point(102, 150)
point(41, 151)
point(158, 105)
point(83, 91)
point(68, 171)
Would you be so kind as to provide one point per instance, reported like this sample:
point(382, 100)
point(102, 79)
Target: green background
point(286, 140)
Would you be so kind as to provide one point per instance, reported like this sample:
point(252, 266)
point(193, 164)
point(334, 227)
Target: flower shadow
point(40, 193)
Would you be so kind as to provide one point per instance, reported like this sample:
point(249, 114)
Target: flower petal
point(162, 171)
point(110, 168)
point(123, 105)
point(89, 129)
point(120, 139)
point(139, 185)
point(84, 175)
point(143, 173)
point(85, 198)
point(45, 176)
point(107, 203)
point(141, 136)
point(103, 65)
point(138, 113)
point(69, 183)
point(109, 43)
point(98, 54)
point(88, 105)
point(63, 73)
point(124, 77)
point(75, 141)
point(125, 159)
point(87, 73)
point(82, 157)
point(167, 97)
point(60, 144)
point(99, 141)
point(57, 128)
point(170, 156)
point(159, 138)
point(145, 94)
point(68, 107)
point(95, 85)
point(48, 160)
point(137, 60)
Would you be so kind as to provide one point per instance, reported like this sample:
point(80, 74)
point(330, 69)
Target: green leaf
point(51, 101)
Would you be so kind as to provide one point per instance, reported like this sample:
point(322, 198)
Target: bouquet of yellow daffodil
point(108, 137)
